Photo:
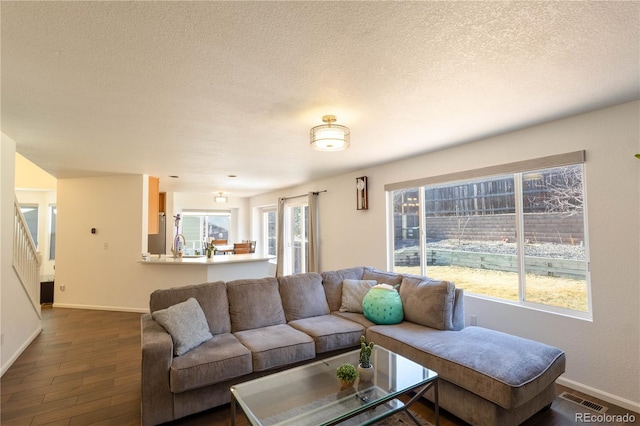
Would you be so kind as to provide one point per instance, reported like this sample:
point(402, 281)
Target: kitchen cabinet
point(154, 203)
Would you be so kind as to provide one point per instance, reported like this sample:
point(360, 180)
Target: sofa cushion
point(330, 332)
point(381, 277)
point(212, 298)
point(254, 303)
point(186, 324)
point(276, 345)
point(219, 359)
point(428, 302)
point(355, 317)
point(504, 369)
point(332, 283)
point(303, 296)
point(353, 292)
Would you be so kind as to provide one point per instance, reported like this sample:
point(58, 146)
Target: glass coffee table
point(312, 395)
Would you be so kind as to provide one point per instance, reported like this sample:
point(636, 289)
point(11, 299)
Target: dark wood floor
point(84, 369)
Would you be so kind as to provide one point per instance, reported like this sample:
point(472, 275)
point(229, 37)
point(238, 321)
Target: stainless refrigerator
point(158, 242)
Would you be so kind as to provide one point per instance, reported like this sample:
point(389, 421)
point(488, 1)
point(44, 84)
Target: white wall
point(100, 270)
point(19, 322)
point(603, 355)
point(111, 278)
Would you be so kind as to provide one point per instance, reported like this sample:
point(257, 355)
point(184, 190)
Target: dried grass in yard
point(554, 291)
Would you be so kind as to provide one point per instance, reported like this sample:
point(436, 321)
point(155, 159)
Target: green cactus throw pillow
point(382, 305)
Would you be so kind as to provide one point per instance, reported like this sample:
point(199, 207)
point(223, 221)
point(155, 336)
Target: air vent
point(583, 402)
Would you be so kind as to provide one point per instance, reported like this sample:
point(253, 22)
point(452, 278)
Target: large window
point(517, 236)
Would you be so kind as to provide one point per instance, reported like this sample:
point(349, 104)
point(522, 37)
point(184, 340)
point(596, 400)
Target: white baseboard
point(100, 308)
point(22, 348)
point(605, 396)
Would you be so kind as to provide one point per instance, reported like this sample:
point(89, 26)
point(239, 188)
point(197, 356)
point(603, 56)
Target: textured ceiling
point(204, 90)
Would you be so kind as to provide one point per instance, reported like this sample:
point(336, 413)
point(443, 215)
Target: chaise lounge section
point(260, 326)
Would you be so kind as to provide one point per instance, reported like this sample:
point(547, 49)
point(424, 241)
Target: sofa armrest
point(458, 310)
point(157, 354)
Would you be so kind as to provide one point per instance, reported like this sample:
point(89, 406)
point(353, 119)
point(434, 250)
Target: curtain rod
point(303, 195)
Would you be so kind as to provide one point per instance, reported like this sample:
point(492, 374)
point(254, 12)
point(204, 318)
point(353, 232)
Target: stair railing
point(26, 259)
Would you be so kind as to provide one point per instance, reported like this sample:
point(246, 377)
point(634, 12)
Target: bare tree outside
point(461, 224)
point(560, 191)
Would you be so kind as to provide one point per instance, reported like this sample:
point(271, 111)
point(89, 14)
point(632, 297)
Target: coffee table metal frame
point(318, 390)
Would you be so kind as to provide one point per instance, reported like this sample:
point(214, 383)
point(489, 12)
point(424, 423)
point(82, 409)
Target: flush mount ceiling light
point(220, 198)
point(330, 137)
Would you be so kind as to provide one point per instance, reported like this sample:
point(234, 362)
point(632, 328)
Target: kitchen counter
point(203, 260)
point(168, 272)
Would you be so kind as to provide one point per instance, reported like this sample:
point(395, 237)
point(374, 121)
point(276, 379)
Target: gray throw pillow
point(332, 283)
point(186, 324)
point(303, 296)
point(428, 302)
point(353, 291)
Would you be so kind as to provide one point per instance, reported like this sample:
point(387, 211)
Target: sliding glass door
point(296, 237)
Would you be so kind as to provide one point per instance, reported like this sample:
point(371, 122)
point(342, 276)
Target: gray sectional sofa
point(254, 327)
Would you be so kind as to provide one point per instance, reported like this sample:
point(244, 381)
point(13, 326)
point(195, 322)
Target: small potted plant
point(365, 369)
point(347, 374)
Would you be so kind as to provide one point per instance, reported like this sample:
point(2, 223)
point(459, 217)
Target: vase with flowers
point(209, 249)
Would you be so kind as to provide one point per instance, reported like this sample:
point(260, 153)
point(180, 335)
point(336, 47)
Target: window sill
point(554, 310)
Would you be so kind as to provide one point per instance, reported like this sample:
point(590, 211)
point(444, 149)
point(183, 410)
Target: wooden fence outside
point(553, 267)
point(539, 228)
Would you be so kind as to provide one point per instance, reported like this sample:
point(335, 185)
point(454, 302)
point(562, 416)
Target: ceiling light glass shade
point(220, 198)
point(330, 137)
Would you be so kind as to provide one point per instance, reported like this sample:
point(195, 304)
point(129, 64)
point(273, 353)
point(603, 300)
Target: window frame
point(517, 169)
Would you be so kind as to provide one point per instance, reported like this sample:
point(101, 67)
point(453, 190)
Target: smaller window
point(30, 213)
point(198, 227)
